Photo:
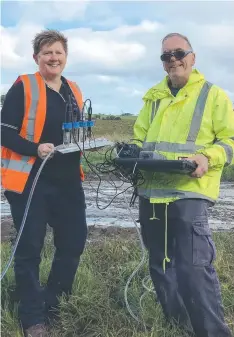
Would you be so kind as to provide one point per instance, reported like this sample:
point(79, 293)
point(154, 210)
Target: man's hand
point(202, 162)
point(44, 149)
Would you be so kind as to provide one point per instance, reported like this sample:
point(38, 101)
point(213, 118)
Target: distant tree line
point(2, 99)
point(107, 117)
point(111, 117)
point(126, 114)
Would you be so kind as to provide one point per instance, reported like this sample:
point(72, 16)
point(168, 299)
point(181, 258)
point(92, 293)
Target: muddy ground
point(115, 220)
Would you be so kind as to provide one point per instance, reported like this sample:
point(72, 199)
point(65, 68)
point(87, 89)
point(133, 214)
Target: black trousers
point(63, 208)
point(189, 290)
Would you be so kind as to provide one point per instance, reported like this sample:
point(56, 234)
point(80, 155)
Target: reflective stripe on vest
point(31, 99)
point(17, 165)
point(170, 193)
point(171, 147)
point(34, 89)
point(189, 146)
point(229, 152)
point(154, 110)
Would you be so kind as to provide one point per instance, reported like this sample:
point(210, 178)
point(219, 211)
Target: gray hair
point(48, 36)
point(179, 35)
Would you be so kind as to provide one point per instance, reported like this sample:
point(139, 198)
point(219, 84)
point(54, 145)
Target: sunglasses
point(178, 54)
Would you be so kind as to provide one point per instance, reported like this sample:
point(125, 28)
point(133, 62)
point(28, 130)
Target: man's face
point(178, 70)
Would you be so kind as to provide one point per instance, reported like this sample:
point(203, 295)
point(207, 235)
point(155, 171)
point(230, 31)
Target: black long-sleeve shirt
point(61, 167)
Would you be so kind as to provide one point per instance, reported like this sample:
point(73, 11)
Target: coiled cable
point(25, 214)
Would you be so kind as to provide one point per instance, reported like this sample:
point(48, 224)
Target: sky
point(114, 46)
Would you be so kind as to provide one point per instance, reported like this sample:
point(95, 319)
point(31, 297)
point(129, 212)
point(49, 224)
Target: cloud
point(16, 50)
point(100, 50)
point(230, 95)
point(130, 92)
point(114, 48)
point(52, 11)
point(108, 79)
point(122, 51)
point(4, 87)
point(9, 55)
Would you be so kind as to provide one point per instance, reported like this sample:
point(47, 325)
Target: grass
point(228, 173)
point(104, 116)
point(119, 129)
point(115, 131)
point(97, 307)
point(129, 117)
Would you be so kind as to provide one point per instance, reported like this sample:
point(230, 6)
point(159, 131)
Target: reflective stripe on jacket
point(15, 167)
point(200, 119)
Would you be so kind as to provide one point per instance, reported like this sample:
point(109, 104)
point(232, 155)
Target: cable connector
point(125, 150)
point(90, 123)
point(67, 126)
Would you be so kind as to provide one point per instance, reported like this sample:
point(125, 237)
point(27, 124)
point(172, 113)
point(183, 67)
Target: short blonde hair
point(48, 36)
point(179, 35)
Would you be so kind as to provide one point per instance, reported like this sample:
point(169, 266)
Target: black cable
point(107, 166)
point(90, 165)
point(96, 170)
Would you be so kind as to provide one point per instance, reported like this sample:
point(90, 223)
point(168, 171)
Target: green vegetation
point(228, 173)
point(115, 117)
point(97, 307)
point(2, 99)
point(114, 129)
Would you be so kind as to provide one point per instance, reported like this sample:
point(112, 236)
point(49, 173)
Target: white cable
point(25, 214)
point(143, 259)
point(141, 299)
point(144, 281)
point(147, 289)
point(141, 264)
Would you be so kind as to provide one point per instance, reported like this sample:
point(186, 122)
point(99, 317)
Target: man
point(184, 116)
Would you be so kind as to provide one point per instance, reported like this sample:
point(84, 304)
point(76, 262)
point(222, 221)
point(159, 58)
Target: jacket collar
point(161, 90)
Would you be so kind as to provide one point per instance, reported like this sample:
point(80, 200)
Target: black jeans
point(63, 208)
point(189, 290)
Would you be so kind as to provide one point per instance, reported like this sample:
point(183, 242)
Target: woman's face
point(51, 60)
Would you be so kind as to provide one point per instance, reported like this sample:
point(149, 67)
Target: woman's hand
point(44, 149)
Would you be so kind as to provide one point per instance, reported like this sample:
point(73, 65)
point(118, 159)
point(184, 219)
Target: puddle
point(221, 216)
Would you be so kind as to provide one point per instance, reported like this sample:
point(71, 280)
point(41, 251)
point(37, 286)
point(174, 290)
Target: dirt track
point(115, 220)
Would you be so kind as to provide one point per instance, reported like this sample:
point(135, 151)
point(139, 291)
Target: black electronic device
point(131, 157)
point(157, 165)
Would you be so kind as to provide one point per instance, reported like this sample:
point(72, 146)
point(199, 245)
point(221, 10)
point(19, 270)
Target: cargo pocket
point(203, 247)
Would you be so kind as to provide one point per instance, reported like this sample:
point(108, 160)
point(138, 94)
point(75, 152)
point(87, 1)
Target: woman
point(33, 114)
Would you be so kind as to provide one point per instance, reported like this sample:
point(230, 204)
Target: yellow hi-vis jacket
point(200, 119)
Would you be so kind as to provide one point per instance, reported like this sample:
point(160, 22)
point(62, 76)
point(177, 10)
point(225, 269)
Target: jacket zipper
point(57, 93)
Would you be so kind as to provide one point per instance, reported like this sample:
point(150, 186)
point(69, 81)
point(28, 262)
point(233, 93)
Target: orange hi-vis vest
point(15, 167)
